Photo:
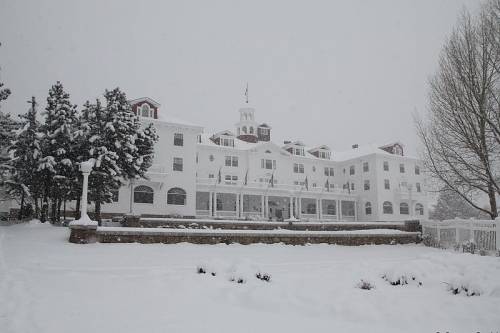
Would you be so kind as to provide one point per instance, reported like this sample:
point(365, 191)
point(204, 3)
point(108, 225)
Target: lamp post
point(85, 168)
point(83, 230)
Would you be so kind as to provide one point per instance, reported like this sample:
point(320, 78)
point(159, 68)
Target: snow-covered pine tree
point(57, 163)
point(146, 138)
point(106, 173)
point(26, 153)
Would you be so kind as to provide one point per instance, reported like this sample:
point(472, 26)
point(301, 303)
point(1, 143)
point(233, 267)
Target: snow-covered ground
point(50, 285)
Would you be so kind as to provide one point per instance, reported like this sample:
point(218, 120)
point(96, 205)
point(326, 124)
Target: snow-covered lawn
point(50, 285)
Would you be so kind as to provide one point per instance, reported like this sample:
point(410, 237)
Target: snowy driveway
point(50, 285)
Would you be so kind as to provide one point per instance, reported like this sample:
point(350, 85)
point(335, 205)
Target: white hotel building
point(243, 174)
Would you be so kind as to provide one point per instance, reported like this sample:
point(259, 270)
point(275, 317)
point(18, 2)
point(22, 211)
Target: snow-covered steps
point(210, 236)
point(177, 223)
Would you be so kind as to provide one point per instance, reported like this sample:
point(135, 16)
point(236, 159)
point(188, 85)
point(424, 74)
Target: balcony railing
point(267, 186)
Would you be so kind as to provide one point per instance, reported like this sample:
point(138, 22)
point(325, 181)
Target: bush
point(263, 276)
point(237, 280)
point(464, 288)
point(365, 285)
point(469, 247)
point(401, 279)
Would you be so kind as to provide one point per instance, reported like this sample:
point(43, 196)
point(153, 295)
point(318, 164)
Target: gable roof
point(145, 99)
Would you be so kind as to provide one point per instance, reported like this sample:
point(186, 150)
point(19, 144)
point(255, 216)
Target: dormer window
point(227, 142)
point(146, 111)
point(299, 151)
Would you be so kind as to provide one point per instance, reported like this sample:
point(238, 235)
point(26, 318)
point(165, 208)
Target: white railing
point(485, 234)
point(266, 186)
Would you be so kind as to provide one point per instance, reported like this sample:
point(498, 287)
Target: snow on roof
point(358, 152)
point(173, 120)
point(144, 99)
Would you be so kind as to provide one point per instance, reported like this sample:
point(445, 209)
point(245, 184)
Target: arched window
point(403, 208)
point(368, 208)
point(176, 196)
point(145, 112)
point(244, 129)
point(387, 207)
point(143, 194)
point(250, 130)
point(419, 209)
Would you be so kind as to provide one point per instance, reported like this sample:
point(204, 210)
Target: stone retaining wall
point(147, 236)
point(138, 222)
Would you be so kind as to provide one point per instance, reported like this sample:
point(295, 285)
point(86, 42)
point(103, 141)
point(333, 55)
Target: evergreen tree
point(450, 205)
point(106, 173)
point(26, 153)
point(57, 164)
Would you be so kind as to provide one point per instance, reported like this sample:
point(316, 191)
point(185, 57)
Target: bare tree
point(460, 137)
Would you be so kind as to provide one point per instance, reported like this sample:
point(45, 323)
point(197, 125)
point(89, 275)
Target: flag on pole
point(327, 185)
point(271, 181)
point(246, 93)
point(307, 184)
point(219, 177)
point(348, 187)
point(246, 179)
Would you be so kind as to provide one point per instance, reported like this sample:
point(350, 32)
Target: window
point(368, 208)
point(352, 170)
point(244, 129)
point(176, 196)
point(331, 209)
point(311, 208)
point(403, 208)
point(314, 168)
point(178, 139)
point(268, 164)
point(197, 158)
point(211, 158)
point(366, 167)
point(210, 175)
point(298, 168)
point(387, 185)
point(417, 170)
point(314, 184)
point(298, 151)
point(227, 142)
point(419, 209)
point(352, 186)
point(327, 172)
point(115, 195)
point(419, 189)
point(251, 130)
point(387, 207)
point(331, 172)
point(232, 161)
point(402, 168)
point(143, 194)
point(177, 164)
point(367, 185)
point(146, 111)
point(386, 166)
point(231, 180)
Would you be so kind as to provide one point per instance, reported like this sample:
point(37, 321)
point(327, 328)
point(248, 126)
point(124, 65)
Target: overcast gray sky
point(324, 72)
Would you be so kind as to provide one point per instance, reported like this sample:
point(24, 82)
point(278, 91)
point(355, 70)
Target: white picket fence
point(451, 233)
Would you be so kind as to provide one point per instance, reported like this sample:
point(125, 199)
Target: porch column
point(299, 207)
point(210, 204)
point(320, 208)
point(215, 204)
point(266, 206)
point(262, 207)
point(340, 210)
point(355, 211)
point(241, 205)
point(291, 207)
point(318, 216)
point(237, 204)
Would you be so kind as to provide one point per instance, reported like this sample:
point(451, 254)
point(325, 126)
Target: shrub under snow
point(464, 287)
point(365, 285)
